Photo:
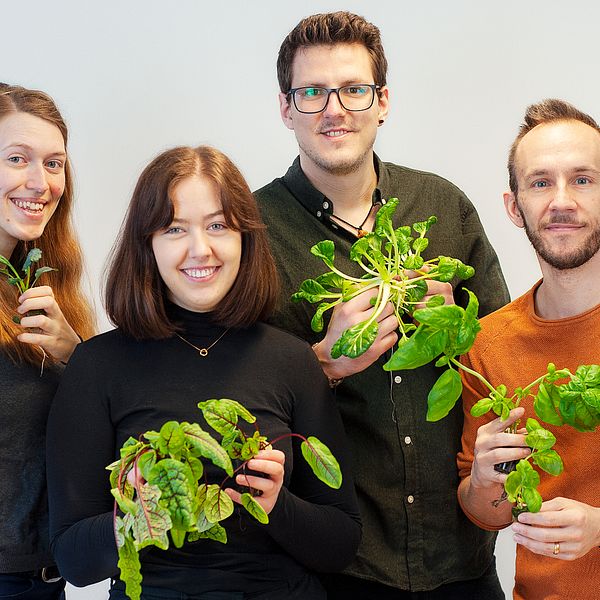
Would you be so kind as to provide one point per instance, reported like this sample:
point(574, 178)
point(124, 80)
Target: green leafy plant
point(170, 496)
point(442, 333)
point(385, 255)
point(25, 280)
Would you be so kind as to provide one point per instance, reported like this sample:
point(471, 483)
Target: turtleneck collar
point(194, 325)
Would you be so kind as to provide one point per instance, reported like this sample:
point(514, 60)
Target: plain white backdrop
point(134, 78)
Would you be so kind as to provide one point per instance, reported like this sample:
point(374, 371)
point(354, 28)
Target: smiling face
point(197, 255)
point(558, 204)
point(335, 140)
point(32, 177)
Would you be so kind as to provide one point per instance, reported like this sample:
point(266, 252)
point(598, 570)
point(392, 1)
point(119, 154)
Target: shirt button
point(407, 440)
point(410, 499)
point(325, 205)
point(397, 379)
point(319, 213)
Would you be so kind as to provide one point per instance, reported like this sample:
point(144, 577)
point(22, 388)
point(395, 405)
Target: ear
point(383, 104)
point(512, 209)
point(285, 110)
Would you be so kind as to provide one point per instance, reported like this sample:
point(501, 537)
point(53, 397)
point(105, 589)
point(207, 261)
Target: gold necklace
point(202, 351)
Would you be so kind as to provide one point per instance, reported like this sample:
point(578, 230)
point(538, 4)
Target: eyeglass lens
point(351, 97)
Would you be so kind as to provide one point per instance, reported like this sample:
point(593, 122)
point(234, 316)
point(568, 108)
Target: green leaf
point(544, 405)
point(447, 316)
point(423, 226)
point(549, 461)
point(322, 462)
point(173, 479)
point(240, 409)
point(383, 219)
point(422, 347)
point(317, 323)
point(33, 256)
point(356, 340)
point(39, 272)
point(254, 508)
point(222, 418)
point(130, 568)
point(324, 250)
point(216, 533)
point(218, 505)
point(178, 536)
point(420, 244)
point(331, 280)
point(152, 522)
point(482, 407)
point(145, 462)
point(126, 504)
point(203, 444)
point(592, 398)
point(532, 499)
point(446, 268)
point(443, 395)
point(202, 523)
point(312, 291)
point(171, 439)
point(413, 262)
point(437, 300)
point(512, 485)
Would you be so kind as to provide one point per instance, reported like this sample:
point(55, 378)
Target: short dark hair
point(135, 294)
point(328, 29)
point(547, 111)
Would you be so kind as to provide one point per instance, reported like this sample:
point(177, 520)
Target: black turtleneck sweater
point(115, 387)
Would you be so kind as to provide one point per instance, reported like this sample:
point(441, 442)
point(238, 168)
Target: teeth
point(335, 133)
point(198, 273)
point(29, 205)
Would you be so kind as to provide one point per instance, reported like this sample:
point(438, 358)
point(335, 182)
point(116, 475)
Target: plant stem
point(474, 373)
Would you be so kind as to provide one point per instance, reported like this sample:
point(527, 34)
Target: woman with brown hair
point(190, 280)
point(36, 197)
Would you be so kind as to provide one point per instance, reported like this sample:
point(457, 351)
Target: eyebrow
point(211, 215)
point(30, 149)
point(580, 169)
point(347, 82)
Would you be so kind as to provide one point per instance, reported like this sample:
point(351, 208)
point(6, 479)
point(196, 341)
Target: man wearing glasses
point(417, 543)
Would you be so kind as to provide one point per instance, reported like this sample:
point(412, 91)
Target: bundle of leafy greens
point(392, 264)
point(442, 333)
point(25, 281)
point(168, 494)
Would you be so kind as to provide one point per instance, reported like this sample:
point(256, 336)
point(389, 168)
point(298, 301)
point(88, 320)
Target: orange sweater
point(514, 348)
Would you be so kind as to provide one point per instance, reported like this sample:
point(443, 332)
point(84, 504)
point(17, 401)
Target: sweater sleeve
point(80, 444)
point(317, 525)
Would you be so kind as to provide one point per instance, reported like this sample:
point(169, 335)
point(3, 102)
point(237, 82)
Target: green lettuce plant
point(170, 499)
point(385, 255)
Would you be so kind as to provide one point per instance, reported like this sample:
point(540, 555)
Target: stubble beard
point(563, 260)
point(340, 166)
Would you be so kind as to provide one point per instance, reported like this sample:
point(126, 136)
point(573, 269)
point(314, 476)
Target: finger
point(544, 533)
point(502, 455)
point(509, 440)
point(36, 339)
point(545, 548)
point(45, 303)
point(498, 425)
point(269, 467)
point(387, 324)
point(257, 483)
point(36, 292)
point(362, 302)
point(39, 321)
point(545, 518)
point(234, 495)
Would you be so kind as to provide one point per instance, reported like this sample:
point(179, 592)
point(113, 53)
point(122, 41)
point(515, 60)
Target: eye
point(174, 229)
point(16, 160)
point(217, 227)
point(582, 180)
point(356, 90)
point(311, 92)
point(540, 184)
point(54, 164)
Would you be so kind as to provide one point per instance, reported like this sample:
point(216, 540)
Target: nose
point(562, 199)
point(37, 178)
point(199, 245)
point(334, 106)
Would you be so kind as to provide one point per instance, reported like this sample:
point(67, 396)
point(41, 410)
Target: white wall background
point(133, 78)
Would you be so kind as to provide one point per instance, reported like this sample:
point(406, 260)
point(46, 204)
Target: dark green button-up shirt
point(415, 536)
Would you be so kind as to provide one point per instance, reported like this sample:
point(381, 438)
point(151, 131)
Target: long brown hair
point(135, 293)
point(58, 243)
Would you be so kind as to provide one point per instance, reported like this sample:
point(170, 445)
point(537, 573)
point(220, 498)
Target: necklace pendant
point(203, 352)
point(362, 232)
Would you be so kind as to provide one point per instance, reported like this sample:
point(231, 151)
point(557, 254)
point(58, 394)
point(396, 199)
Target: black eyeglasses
point(310, 99)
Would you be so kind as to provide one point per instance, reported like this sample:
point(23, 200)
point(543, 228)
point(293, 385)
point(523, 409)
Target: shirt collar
point(317, 203)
